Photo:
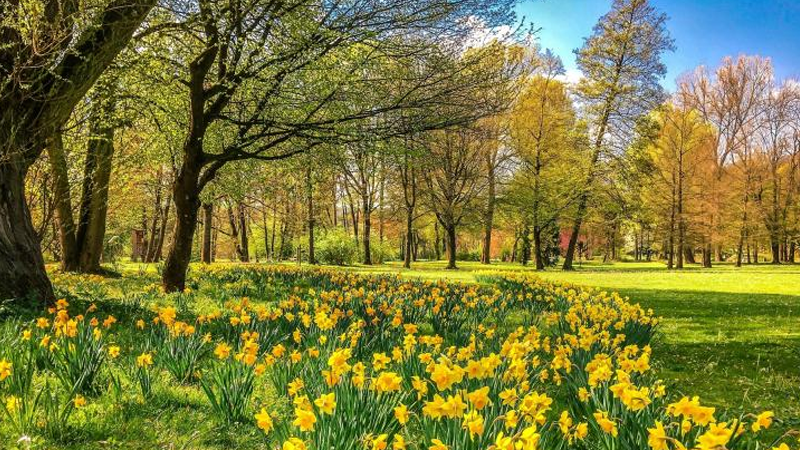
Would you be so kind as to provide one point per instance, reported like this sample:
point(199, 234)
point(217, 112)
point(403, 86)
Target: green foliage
point(179, 353)
point(337, 247)
point(228, 385)
point(77, 359)
point(382, 252)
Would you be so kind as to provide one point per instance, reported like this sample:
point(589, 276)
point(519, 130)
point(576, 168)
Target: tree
point(682, 155)
point(454, 179)
point(548, 146)
point(47, 62)
point(621, 66)
point(267, 81)
point(730, 100)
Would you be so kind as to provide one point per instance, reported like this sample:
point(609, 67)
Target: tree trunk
point(163, 231)
point(237, 248)
point(63, 203)
point(488, 218)
point(245, 241)
point(576, 230)
point(185, 194)
point(366, 231)
point(409, 233)
point(776, 250)
point(22, 272)
point(537, 248)
point(450, 229)
point(526, 245)
point(94, 203)
point(436, 249)
point(310, 206)
point(208, 224)
point(272, 240)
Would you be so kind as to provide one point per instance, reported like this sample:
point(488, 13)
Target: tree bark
point(94, 203)
point(488, 218)
point(208, 225)
point(63, 203)
point(163, 231)
point(409, 233)
point(450, 229)
point(367, 227)
point(537, 248)
point(186, 196)
point(311, 222)
point(436, 249)
point(244, 255)
point(22, 272)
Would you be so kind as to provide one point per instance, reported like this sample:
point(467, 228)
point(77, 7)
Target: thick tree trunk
point(208, 225)
point(450, 229)
point(776, 250)
point(185, 194)
point(22, 272)
point(97, 176)
point(707, 252)
point(93, 238)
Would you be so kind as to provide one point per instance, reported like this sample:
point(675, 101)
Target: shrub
point(382, 252)
point(337, 248)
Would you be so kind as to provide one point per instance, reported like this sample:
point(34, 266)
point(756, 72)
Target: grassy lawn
point(731, 335)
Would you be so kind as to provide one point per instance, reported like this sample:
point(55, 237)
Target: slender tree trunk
point(583, 200)
point(63, 203)
point(310, 207)
point(208, 225)
point(488, 218)
point(272, 241)
point(266, 231)
point(151, 245)
point(234, 234)
point(409, 233)
point(163, 231)
point(245, 240)
point(366, 232)
point(436, 249)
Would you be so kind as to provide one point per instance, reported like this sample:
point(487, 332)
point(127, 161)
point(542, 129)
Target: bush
point(382, 252)
point(337, 248)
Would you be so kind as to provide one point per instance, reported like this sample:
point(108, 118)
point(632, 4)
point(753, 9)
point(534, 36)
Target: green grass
point(730, 335)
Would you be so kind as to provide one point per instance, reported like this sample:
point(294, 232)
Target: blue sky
point(704, 30)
